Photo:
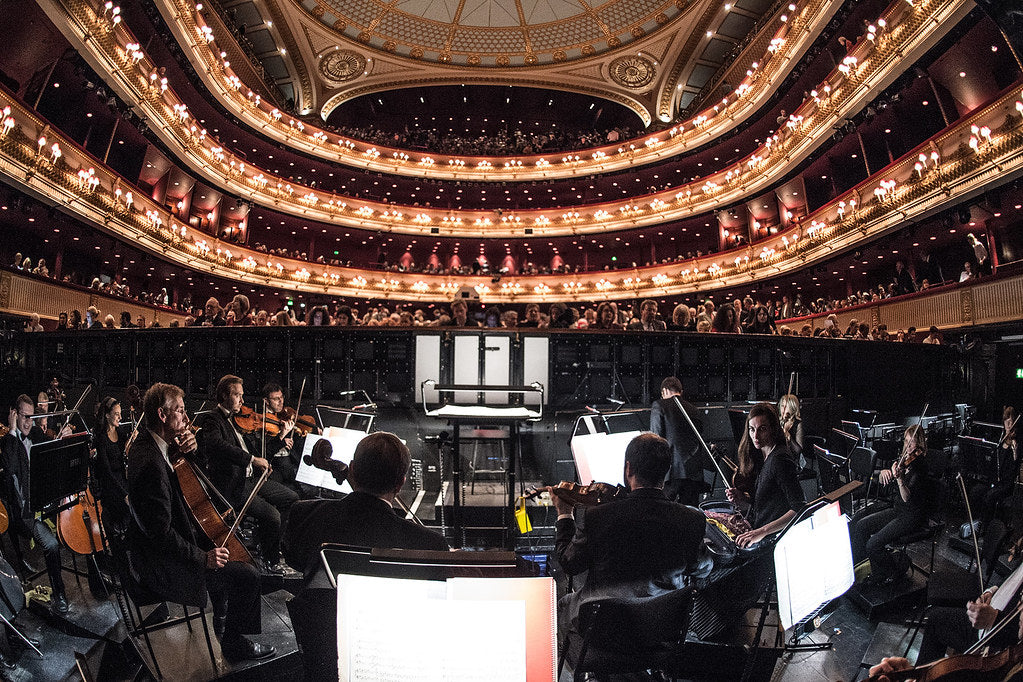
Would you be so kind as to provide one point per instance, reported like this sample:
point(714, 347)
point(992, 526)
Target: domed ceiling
point(496, 32)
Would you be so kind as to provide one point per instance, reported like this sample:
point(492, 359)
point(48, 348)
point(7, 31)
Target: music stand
point(58, 469)
point(344, 418)
point(737, 420)
point(598, 444)
point(979, 458)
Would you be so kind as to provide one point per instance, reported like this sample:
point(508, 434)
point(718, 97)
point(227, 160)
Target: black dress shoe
point(60, 603)
point(239, 648)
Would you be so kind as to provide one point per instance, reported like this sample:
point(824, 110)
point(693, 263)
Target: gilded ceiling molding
point(570, 31)
point(966, 163)
point(536, 167)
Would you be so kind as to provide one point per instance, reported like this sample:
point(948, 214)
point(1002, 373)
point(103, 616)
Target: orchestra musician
point(685, 479)
point(766, 487)
point(16, 486)
point(173, 558)
point(985, 497)
point(364, 518)
point(109, 480)
point(791, 425)
point(880, 523)
point(283, 449)
point(233, 464)
point(641, 545)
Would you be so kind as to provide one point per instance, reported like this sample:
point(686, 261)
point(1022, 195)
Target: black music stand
point(58, 469)
point(980, 459)
point(811, 621)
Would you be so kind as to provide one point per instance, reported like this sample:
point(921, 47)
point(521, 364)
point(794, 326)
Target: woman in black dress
point(110, 482)
point(766, 483)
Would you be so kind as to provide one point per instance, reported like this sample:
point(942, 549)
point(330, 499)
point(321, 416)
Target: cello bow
point(245, 507)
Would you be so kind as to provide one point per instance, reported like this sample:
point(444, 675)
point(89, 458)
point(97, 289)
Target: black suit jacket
point(221, 455)
point(668, 423)
point(359, 519)
point(15, 479)
point(642, 545)
point(164, 546)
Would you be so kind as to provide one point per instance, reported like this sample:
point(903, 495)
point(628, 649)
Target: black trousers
point(875, 527)
point(985, 498)
point(234, 592)
point(270, 509)
point(45, 538)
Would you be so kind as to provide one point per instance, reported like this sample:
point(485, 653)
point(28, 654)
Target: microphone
point(615, 401)
point(343, 393)
point(592, 409)
point(366, 406)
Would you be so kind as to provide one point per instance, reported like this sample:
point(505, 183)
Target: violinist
point(14, 476)
point(174, 559)
point(791, 425)
point(985, 497)
point(55, 395)
point(957, 628)
point(231, 459)
point(765, 487)
point(283, 449)
point(640, 545)
point(884, 522)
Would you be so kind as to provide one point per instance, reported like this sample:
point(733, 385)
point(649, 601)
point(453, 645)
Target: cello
point(79, 526)
point(198, 492)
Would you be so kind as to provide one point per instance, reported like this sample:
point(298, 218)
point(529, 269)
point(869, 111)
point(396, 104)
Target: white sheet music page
point(466, 641)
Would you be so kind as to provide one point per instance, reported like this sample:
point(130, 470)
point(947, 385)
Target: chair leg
point(149, 645)
point(206, 631)
point(188, 618)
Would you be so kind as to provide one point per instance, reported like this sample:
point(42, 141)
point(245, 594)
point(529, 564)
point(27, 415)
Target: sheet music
point(467, 641)
point(344, 442)
point(813, 564)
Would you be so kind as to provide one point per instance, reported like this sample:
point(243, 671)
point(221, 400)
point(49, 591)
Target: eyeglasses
point(25, 416)
point(176, 410)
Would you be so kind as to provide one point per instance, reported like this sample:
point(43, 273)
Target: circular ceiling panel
point(496, 33)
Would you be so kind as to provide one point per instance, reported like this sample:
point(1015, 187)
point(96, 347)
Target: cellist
point(174, 558)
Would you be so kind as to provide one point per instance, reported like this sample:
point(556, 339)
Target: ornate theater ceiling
point(651, 56)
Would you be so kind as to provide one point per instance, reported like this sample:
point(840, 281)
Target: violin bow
point(973, 535)
point(300, 392)
point(678, 404)
point(792, 380)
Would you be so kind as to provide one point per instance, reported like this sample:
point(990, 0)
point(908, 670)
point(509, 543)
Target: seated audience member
point(641, 545)
point(767, 488)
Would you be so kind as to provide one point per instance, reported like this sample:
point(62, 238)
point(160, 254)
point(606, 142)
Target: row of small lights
point(679, 135)
point(888, 190)
point(88, 182)
point(365, 212)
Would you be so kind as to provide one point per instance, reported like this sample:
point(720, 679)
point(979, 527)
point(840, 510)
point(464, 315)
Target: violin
point(584, 495)
point(971, 667)
point(907, 458)
point(250, 421)
point(304, 424)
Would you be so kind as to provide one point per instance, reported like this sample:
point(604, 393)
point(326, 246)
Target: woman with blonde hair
point(792, 425)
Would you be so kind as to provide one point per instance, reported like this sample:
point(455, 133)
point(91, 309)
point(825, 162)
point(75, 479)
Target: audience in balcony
point(503, 142)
